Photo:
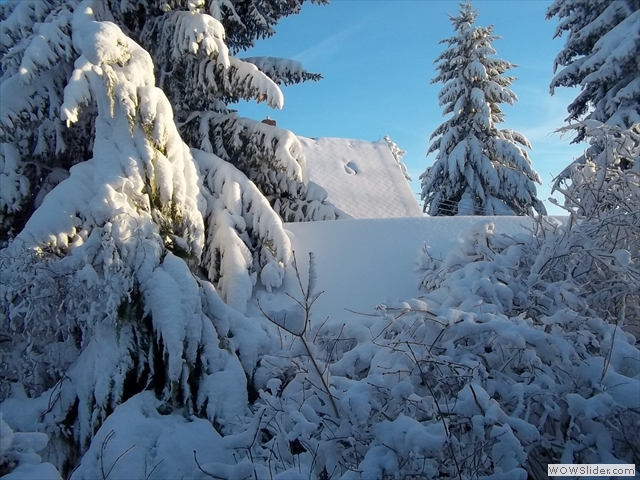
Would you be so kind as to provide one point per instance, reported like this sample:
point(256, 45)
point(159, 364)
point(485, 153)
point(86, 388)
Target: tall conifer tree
point(121, 231)
point(479, 169)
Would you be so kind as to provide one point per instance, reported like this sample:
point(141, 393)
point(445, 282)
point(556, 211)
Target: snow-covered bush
point(496, 371)
point(604, 179)
point(601, 249)
point(19, 457)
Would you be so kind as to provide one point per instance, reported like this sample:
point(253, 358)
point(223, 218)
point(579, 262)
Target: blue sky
point(377, 57)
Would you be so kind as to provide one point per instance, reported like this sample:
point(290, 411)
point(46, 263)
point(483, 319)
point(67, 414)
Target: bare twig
point(106, 441)
point(309, 298)
point(153, 469)
point(195, 457)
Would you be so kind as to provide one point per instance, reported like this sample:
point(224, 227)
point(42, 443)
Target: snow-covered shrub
point(496, 371)
point(533, 281)
point(601, 248)
point(19, 457)
point(604, 179)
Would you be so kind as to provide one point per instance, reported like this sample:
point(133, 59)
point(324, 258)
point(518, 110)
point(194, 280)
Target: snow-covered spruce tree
point(101, 303)
point(479, 169)
point(201, 92)
point(36, 151)
point(601, 56)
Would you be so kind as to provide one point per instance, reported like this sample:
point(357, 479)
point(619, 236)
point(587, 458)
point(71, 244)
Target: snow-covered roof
point(362, 178)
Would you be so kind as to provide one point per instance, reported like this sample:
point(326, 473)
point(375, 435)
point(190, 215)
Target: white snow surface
point(361, 263)
point(137, 441)
point(362, 178)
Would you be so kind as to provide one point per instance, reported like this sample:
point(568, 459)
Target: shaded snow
point(137, 441)
point(40, 471)
point(362, 178)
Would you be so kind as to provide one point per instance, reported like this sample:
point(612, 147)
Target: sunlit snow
point(362, 178)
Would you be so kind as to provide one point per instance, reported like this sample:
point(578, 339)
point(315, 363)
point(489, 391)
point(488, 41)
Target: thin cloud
point(545, 115)
point(329, 46)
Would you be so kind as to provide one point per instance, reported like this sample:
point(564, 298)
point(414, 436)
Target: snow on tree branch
point(600, 56)
point(190, 46)
point(37, 56)
point(282, 70)
point(270, 156)
point(245, 21)
point(241, 224)
point(397, 153)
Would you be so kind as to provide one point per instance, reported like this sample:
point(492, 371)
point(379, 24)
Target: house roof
point(362, 178)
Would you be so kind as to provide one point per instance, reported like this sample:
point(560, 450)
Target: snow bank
point(362, 263)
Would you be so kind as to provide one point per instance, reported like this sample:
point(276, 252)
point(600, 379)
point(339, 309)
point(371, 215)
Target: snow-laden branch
point(600, 57)
point(240, 224)
point(193, 57)
point(283, 71)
